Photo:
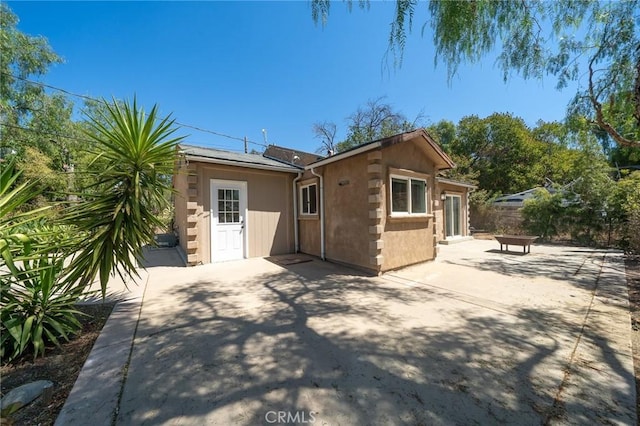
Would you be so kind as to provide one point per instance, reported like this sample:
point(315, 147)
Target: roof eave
point(445, 163)
point(283, 168)
point(338, 157)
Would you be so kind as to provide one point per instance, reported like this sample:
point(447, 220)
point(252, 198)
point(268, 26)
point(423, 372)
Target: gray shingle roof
point(242, 159)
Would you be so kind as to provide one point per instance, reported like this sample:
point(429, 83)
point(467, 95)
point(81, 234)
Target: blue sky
point(239, 67)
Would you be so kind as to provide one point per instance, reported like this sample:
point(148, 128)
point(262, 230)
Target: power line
point(199, 129)
point(41, 133)
point(75, 138)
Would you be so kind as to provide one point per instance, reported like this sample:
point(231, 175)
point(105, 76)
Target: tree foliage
point(567, 39)
point(35, 126)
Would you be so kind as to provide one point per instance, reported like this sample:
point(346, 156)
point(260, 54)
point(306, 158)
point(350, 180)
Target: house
point(376, 207)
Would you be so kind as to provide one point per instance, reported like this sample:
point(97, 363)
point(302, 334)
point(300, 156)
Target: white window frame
point(408, 213)
point(307, 207)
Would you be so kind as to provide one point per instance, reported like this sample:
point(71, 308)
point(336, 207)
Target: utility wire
point(75, 138)
point(89, 98)
point(39, 132)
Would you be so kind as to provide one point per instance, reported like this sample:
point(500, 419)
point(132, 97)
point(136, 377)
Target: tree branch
point(597, 106)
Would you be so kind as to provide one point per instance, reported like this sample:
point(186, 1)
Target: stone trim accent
point(376, 211)
point(193, 210)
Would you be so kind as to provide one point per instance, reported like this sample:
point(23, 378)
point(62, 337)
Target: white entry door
point(228, 220)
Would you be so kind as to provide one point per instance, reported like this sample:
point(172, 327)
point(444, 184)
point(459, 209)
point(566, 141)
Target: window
point(408, 196)
point(309, 199)
point(228, 206)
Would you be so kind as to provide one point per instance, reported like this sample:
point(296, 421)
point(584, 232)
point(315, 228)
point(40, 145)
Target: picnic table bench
point(517, 240)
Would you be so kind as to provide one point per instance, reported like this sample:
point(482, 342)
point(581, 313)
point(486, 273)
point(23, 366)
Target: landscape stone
point(23, 395)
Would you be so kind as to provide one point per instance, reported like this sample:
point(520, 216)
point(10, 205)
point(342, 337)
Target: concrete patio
point(476, 337)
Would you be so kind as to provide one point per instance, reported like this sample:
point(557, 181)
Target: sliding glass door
point(452, 216)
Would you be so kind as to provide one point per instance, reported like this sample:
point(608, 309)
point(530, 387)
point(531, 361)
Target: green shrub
point(543, 214)
point(37, 305)
point(625, 207)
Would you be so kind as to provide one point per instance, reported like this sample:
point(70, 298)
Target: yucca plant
point(37, 306)
point(103, 232)
point(132, 175)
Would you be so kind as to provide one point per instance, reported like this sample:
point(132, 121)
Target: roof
point(443, 163)
point(519, 198)
point(291, 156)
point(218, 156)
point(456, 182)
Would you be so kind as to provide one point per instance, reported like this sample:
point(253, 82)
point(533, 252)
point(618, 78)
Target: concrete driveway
point(476, 337)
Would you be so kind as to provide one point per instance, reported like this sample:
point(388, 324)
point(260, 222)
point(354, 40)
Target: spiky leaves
point(132, 176)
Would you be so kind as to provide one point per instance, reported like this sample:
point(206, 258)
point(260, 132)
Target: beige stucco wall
point(347, 212)
point(407, 240)
point(350, 217)
point(269, 202)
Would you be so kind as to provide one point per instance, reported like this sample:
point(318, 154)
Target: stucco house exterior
point(377, 207)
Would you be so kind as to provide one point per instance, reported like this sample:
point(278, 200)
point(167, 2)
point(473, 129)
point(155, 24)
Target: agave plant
point(37, 306)
point(132, 175)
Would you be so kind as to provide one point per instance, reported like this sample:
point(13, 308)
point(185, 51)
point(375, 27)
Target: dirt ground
point(60, 365)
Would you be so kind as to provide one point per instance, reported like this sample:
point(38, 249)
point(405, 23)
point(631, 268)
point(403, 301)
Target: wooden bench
point(517, 240)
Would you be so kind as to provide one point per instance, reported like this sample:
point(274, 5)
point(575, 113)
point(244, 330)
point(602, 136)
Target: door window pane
point(228, 206)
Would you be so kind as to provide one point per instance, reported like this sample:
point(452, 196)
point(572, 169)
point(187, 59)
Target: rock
point(22, 395)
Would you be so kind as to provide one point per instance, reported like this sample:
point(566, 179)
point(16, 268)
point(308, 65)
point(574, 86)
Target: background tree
point(326, 132)
point(35, 127)
point(502, 151)
point(375, 120)
point(445, 133)
point(566, 39)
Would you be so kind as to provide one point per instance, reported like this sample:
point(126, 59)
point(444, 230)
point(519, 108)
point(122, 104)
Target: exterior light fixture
point(443, 195)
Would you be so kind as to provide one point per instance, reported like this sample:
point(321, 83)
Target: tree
point(36, 127)
point(566, 39)
point(444, 133)
point(326, 132)
point(375, 120)
point(501, 150)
